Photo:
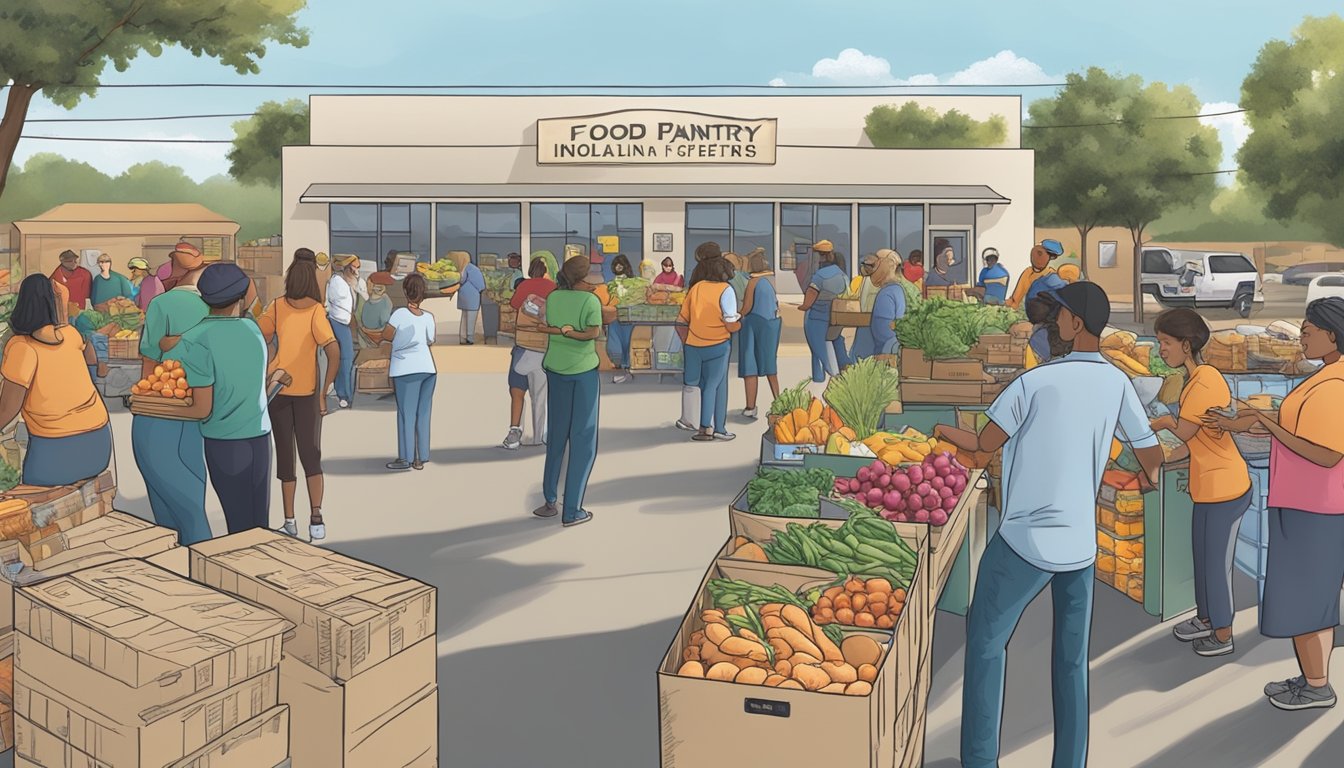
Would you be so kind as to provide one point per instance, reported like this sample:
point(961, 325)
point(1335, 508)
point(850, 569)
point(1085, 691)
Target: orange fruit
point(188, 392)
point(166, 392)
point(158, 370)
point(143, 384)
point(180, 393)
point(135, 390)
point(156, 386)
point(180, 383)
point(166, 378)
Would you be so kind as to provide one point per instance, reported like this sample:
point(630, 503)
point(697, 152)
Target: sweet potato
point(840, 672)
point(739, 541)
point(812, 677)
point(751, 676)
point(773, 681)
point(740, 646)
point(752, 636)
point(859, 688)
point(782, 649)
point(771, 609)
point(717, 633)
point(867, 673)
point(772, 622)
point(801, 643)
point(805, 658)
point(791, 684)
point(692, 669)
point(861, 649)
point(712, 616)
point(783, 668)
point(751, 551)
point(697, 637)
point(692, 653)
point(710, 654)
point(742, 662)
point(829, 650)
point(722, 671)
point(738, 611)
point(797, 618)
point(834, 688)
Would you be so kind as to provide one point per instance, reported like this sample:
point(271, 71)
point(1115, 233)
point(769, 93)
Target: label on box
point(766, 707)
point(958, 370)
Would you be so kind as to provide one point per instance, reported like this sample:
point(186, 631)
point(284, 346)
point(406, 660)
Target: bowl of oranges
point(166, 386)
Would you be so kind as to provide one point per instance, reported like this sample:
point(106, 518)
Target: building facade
point(650, 177)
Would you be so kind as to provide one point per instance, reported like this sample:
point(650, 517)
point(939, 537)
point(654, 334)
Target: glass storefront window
point(493, 229)
point(736, 227)
point(900, 227)
point(370, 230)
point(802, 225)
point(585, 226)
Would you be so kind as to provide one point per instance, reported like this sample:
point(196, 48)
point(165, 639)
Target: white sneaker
point(514, 439)
point(724, 436)
point(343, 403)
point(749, 413)
point(290, 528)
point(683, 426)
point(619, 378)
point(317, 532)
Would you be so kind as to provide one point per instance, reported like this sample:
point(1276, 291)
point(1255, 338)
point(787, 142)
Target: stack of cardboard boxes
point(641, 348)
point(127, 664)
point(359, 674)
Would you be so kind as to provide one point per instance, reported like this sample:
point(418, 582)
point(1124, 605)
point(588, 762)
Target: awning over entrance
point(932, 193)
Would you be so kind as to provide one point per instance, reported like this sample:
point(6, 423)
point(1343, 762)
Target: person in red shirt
point(525, 371)
point(914, 267)
point(77, 280)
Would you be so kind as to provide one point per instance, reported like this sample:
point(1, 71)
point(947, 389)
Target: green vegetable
point(732, 593)
point(1158, 366)
point(788, 493)
point(628, 291)
point(9, 476)
point(792, 399)
point(552, 266)
point(947, 329)
point(861, 394)
point(865, 545)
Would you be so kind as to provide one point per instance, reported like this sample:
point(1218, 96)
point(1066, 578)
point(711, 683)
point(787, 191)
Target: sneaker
point(317, 531)
point(514, 439)
point(1283, 686)
point(619, 378)
point(546, 510)
point(579, 520)
point(683, 426)
point(702, 437)
point(1305, 697)
point(1211, 646)
point(290, 528)
point(399, 465)
point(1192, 629)
point(749, 413)
point(724, 436)
point(417, 465)
point(343, 403)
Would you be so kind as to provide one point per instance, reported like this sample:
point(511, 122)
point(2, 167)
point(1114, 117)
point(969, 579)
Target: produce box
point(373, 377)
point(959, 370)
point(161, 407)
point(124, 348)
point(349, 615)
point(7, 692)
point(534, 340)
point(641, 358)
point(942, 392)
point(1121, 501)
point(384, 716)
point(116, 536)
point(914, 365)
point(1119, 525)
point(851, 319)
point(845, 305)
point(718, 722)
point(779, 453)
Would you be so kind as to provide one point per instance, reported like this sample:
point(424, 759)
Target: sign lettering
point(646, 136)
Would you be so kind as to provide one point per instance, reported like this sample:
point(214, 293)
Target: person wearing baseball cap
point(78, 281)
point(827, 284)
point(1042, 254)
point(1055, 424)
point(224, 358)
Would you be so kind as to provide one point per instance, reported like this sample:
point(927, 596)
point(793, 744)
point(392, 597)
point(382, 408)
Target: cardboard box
point(154, 738)
point(914, 365)
point(942, 392)
point(149, 638)
point(373, 377)
point(176, 560)
point(384, 716)
point(851, 319)
point(711, 722)
point(7, 692)
point(845, 305)
point(958, 370)
point(533, 340)
point(115, 536)
point(261, 741)
point(641, 358)
point(641, 336)
point(349, 615)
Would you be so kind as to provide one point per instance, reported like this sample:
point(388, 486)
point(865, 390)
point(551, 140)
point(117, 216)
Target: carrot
point(812, 678)
point(797, 640)
point(740, 646)
point(840, 672)
point(797, 618)
point(722, 671)
point(717, 634)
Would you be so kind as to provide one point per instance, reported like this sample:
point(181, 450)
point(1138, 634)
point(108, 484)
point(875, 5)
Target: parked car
point(1303, 274)
point(1223, 279)
point(1325, 286)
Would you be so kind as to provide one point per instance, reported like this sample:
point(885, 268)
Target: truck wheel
point(1243, 304)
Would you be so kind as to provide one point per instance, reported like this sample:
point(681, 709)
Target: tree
point(258, 140)
point(61, 49)
point(909, 127)
point(1294, 95)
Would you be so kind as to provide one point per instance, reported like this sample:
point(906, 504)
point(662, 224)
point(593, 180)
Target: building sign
point(647, 136)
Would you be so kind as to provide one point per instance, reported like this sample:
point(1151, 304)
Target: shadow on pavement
point(722, 482)
point(1245, 737)
point(583, 700)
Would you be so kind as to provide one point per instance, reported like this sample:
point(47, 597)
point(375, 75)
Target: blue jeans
point(707, 368)
point(815, 331)
point(571, 402)
point(618, 343)
point(171, 457)
point(53, 461)
point(1004, 587)
point(415, 401)
point(345, 375)
point(1214, 538)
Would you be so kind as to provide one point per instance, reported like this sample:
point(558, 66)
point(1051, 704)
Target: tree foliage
point(61, 49)
point(910, 127)
point(258, 140)
point(1294, 95)
point(48, 180)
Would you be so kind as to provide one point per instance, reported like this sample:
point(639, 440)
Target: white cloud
point(1233, 130)
point(854, 67)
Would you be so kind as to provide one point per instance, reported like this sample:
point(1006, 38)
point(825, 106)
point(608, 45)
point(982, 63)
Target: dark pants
point(53, 461)
point(571, 402)
point(415, 403)
point(1214, 538)
point(296, 422)
point(240, 472)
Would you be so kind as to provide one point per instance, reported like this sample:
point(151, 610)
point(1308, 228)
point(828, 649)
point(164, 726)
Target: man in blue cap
point(1055, 424)
point(224, 357)
point(1041, 256)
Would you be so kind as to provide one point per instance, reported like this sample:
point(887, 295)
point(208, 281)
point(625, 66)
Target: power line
point(1143, 120)
point(128, 141)
point(476, 86)
point(135, 119)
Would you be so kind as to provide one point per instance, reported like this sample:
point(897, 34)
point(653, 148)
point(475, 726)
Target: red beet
point(900, 481)
point(946, 492)
point(884, 481)
point(932, 501)
point(864, 488)
point(938, 517)
point(916, 474)
point(915, 502)
point(890, 499)
point(854, 485)
point(874, 497)
point(924, 489)
point(864, 474)
point(922, 516)
point(944, 471)
point(950, 503)
point(937, 483)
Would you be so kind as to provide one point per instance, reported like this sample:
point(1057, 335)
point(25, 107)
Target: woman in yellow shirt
point(710, 314)
point(45, 368)
point(1220, 483)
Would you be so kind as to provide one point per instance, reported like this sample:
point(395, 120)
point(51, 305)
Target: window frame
point(1243, 268)
point(477, 234)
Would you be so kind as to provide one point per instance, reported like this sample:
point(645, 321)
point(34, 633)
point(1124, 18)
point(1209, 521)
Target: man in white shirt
point(1055, 424)
point(341, 312)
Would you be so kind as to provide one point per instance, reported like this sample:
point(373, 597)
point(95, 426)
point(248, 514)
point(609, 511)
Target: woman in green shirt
point(574, 321)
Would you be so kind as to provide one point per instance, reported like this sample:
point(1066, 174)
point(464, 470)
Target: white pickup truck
point(1202, 279)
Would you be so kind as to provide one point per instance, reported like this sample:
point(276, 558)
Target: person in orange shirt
point(1041, 256)
point(710, 315)
point(1220, 483)
point(46, 378)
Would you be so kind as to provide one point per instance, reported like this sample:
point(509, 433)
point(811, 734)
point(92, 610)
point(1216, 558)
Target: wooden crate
point(373, 377)
point(124, 349)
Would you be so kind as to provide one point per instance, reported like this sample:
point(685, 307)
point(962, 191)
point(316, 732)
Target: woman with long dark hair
point(298, 327)
point(710, 315)
point(46, 378)
point(619, 334)
point(413, 373)
point(1305, 570)
point(1220, 482)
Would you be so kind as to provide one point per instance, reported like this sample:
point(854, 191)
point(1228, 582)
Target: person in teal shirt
point(169, 452)
point(108, 285)
point(225, 358)
point(574, 321)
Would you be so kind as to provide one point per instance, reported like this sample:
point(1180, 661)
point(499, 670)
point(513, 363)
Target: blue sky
point(1206, 45)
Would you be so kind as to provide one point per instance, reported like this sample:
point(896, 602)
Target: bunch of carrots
point(169, 380)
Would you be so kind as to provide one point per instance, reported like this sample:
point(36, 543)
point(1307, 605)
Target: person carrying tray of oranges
point(167, 380)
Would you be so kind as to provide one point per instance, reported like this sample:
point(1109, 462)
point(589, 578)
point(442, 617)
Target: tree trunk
point(1137, 234)
point(1083, 232)
point(11, 126)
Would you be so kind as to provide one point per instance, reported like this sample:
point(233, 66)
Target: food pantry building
point(650, 177)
